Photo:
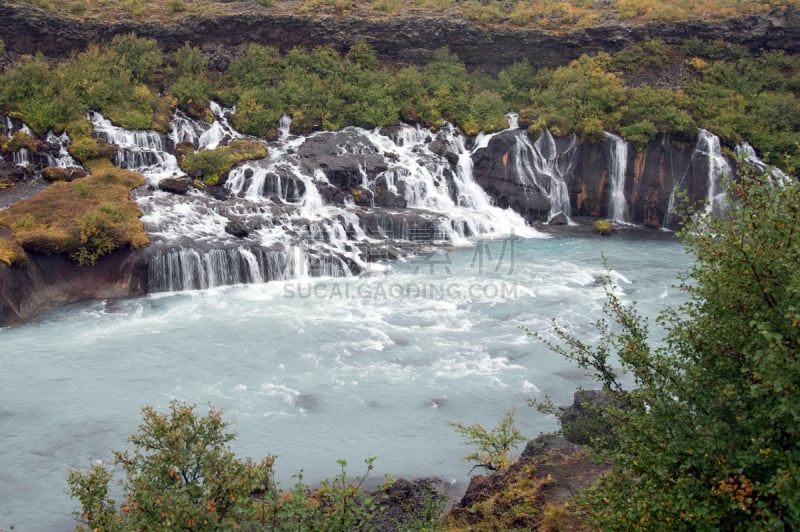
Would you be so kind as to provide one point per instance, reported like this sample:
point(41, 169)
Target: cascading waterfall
point(746, 152)
point(708, 148)
point(709, 145)
point(545, 169)
point(21, 157)
point(201, 134)
point(295, 229)
point(192, 269)
point(141, 150)
point(63, 159)
point(617, 205)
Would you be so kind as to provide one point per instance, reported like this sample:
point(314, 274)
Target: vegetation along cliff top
point(545, 14)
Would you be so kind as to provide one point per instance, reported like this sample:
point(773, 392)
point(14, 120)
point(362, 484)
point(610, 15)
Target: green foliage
point(516, 82)
point(98, 233)
point(182, 474)
point(648, 54)
point(2, 47)
point(708, 436)
point(214, 164)
point(140, 56)
point(87, 149)
point(176, 6)
point(493, 447)
point(584, 95)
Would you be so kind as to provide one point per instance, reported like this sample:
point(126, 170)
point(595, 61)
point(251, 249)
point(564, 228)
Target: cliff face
point(404, 39)
point(527, 175)
point(49, 281)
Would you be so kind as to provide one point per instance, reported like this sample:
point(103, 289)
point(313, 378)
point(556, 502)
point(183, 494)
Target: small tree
point(493, 447)
point(181, 474)
point(707, 438)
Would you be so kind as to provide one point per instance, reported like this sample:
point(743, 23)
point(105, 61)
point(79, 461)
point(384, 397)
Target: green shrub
point(177, 6)
point(182, 474)
point(648, 54)
point(77, 8)
point(98, 234)
point(707, 438)
point(493, 448)
point(213, 165)
point(640, 133)
point(136, 120)
point(87, 148)
point(140, 56)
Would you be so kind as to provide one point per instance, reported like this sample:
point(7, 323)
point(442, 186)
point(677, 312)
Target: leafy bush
point(176, 6)
point(707, 438)
point(648, 54)
point(493, 447)
point(587, 97)
point(182, 474)
point(87, 149)
point(98, 233)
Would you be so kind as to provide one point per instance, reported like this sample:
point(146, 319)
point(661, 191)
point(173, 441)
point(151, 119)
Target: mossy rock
point(54, 173)
point(85, 219)
point(604, 227)
point(212, 166)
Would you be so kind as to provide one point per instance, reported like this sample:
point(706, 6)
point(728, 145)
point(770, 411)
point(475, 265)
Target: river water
point(313, 370)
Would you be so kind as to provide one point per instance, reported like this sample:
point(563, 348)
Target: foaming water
point(314, 370)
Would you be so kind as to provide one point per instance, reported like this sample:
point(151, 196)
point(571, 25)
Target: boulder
point(583, 421)
point(176, 185)
point(237, 229)
point(558, 219)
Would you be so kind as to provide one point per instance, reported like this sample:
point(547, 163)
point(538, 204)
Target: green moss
point(213, 165)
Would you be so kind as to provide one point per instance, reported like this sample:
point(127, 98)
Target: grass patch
point(212, 165)
point(85, 219)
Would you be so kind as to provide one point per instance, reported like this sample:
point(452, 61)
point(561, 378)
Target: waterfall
point(746, 152)
point(617, 206)
point(63, 159)
point(544, 169)
point(192, 269)
point(285, 126)
point(140, 150)
point(21, 157)
point(202, 134)
point(709, 145)
point(405, 187)
point(709, 150)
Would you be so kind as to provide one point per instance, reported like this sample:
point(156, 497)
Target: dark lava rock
point(237, 229)
point(582, 421)
point(558, 219)
point(408, 504)
point(176, 185)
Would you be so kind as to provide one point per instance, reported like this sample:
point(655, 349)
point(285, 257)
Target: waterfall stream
point(546, 168)
point(617, 205)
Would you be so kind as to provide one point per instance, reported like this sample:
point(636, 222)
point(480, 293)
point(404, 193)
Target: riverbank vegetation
point(648, 89)
point(706, 438)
